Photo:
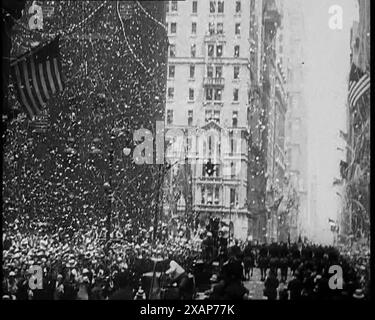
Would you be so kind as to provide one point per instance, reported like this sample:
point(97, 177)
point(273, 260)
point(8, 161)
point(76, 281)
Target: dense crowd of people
point(82, 266)
point(72, 262)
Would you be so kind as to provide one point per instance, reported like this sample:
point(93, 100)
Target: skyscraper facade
point(296, 120)
point(208, 88)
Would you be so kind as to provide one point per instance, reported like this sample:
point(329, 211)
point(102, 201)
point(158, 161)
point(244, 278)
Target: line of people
point(294, 271)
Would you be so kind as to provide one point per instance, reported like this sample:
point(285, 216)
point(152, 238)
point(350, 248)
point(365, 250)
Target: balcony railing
point(213, 103)
point(210, 37)
point(213, 81)
point(206, 179)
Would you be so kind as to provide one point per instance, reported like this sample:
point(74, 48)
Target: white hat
point(358, 294)
point(214, 278)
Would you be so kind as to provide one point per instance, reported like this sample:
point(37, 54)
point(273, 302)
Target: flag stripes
point(38, 76)
point(359, 84)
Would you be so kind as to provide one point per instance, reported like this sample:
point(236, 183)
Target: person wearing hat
point(11, 285)
point(124, 291)
point(358, 294)
point(83, 287)
point(179, 276)
point(223, 247)
point(208, 247)
point(140, 295)
point(249, 261)
point(282, 291)
point(59, 288)
point(217, 288)
point(270, 285)
point(70, 289)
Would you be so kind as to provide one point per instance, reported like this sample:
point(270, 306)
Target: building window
point(212, 115)
point(211, 28)
point(170, 93)
point(172, 70)
point(220, 7)
point(235, 94)
point(173, 27)
point(193, 50)
point(209, 195)
point(209, 94)
point(189, 141)
point(218, 94)
point(212, 6)
point(238, 6)
point(232, 143)
point(220, 28)
point(172, 50)
point(210, 146)
point(192, 71)
point(191, 94)
point(174, 6)
point(233, 170)
point(236, 51)
point(169, 117)
point(208, 115)
point(238, 29)
point(217, 195)
point(210, 71)
point(235, 119)
point(219, 72)
point(167, 7)
point(217, 171)
point(219, 50)
point(194, 28)
point(211, 50)
point(190, 118)
point(195, 6)
point(203, 191)
point(236, 72)
point(217, 116)
point(232, 196)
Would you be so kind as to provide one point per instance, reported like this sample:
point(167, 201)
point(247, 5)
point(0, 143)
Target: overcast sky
point(327, 63)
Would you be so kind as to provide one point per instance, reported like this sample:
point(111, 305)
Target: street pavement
point(255, 286)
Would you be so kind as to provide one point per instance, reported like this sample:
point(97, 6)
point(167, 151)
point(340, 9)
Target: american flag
point(38, 75)
point(359, 84)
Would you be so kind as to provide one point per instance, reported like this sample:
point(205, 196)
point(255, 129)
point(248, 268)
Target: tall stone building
point(226, 79)
point(296, 120)
point(355, 171)
point(266, 116)
point(275, 99)
point(256, 117)
point(208, 85)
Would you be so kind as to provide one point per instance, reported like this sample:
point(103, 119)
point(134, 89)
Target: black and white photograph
point(195, 150)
